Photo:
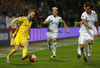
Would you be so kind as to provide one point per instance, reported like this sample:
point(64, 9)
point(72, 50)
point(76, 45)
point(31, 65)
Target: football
point(32, 58)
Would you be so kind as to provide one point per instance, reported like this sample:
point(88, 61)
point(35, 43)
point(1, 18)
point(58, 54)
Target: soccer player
point(21, 35)
point(53, 21)
point(89, 18)
point(79, 51)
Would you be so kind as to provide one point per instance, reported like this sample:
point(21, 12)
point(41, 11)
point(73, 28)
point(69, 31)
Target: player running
point(80, 23)
point(52, 32)
point(21, 35)
point(89, 18)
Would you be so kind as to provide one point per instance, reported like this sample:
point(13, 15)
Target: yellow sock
point(11, 52)
point(24, 51)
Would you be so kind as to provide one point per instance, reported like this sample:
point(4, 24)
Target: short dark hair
point(32, 10)
point(88, 4)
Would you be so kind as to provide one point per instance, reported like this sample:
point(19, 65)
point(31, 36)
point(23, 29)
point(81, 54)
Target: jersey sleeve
point(61, 20)
point(47, 19)
point(83, 16)
point(16, 20)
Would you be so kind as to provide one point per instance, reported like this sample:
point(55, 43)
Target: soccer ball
point(32, 58)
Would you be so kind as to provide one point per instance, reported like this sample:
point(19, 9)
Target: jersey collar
point(29, 19)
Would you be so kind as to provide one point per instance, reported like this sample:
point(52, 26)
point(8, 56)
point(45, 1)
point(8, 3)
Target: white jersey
point(90, 19)
point(53, 26)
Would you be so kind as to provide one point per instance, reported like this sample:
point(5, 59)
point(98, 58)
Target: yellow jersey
point(23, 28)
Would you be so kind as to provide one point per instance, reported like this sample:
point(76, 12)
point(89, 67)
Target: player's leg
point(16, 48)
point(49, 40)
point(82, 44)
point(79, 50)
point(89, 48)
point(80, 41)
point(49, 43)
point(82, 50)
point(24, 51)
point(54, 46)
point(50, 47)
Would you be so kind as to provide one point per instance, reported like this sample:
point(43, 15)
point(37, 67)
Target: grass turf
point(66, 58)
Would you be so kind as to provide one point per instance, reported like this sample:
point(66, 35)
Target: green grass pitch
point(66, 58)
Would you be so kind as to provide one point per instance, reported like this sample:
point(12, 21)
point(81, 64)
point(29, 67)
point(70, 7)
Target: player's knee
point(26, 46)
point(89, 42)
point(54, 40)
point(81, 46)
point(49, 44)
point(16, 49)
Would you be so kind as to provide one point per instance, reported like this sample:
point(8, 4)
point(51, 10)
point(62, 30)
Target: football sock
point(11, 52)
point(54, 46)
point(84, 54)
point(89, 50)
point(79, 50)
point(50, 47)
point(24, 51)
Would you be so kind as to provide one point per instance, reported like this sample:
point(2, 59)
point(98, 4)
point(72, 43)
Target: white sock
point(79, 50)
point(50, 47)
point(89, 49)
point(83, 51)
point(54, 46)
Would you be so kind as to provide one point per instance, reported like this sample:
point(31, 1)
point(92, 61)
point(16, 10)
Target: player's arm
point(13, 22)
point(97, 27)
point(85, 23)
point(16, 20)
point(65, 27)
point(47, 20)
point(83, 17)
point(78, 23)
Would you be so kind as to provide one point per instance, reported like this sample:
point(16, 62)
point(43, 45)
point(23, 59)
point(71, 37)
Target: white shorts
point(50, 36)
point(84, 37)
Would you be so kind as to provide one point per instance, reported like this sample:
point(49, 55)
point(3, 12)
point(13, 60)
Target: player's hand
point(78, 23)
point(98, 34)
point(67, 31)
point(8, 27)
point(89, 27)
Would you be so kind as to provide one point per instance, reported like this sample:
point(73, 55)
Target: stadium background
point(69, 10)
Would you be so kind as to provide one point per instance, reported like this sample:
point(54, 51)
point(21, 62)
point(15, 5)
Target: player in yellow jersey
point(21, 35)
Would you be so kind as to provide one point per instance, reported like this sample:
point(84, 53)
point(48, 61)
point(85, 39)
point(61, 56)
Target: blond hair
point(55, 8)
point(32, 10)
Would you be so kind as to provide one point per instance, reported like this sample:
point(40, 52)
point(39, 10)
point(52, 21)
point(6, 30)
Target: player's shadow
point(56, 60)
point(23, 64)
point(93, 64)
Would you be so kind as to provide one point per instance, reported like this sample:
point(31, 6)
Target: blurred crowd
point(69, 10)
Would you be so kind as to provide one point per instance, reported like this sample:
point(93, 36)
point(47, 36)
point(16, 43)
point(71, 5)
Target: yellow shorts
point(17, 40)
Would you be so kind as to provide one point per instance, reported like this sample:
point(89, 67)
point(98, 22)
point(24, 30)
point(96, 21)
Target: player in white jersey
point(87, 29)
point(52, 32)
point(82, 26)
